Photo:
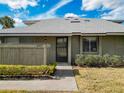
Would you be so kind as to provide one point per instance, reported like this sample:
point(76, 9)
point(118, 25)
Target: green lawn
point(100, 80)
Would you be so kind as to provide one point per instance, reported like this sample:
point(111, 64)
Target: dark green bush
point(26, 70)
point(99, 61)
point(116, 61)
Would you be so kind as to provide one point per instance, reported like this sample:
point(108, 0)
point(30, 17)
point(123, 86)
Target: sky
point(21, 10)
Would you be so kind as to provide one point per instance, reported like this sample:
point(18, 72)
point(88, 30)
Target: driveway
point(64, 81)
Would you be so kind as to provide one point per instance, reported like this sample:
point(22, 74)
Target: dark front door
point(61, 49)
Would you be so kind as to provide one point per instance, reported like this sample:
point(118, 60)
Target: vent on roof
point(67, 19)
point(75, 21)
point(70, 17)
point(86, 20)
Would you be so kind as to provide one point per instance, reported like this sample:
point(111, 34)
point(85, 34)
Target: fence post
point(45, 54)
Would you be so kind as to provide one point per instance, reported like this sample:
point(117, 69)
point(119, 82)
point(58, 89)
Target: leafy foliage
point(7, 22)
point(26, 70)
point(99, 61)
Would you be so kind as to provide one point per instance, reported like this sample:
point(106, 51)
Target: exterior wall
point(12, 40)
point(21, 55)
point(110, 45)
point(51, 53)
point(107, 45)
point(31, 53)
point(51, 41)
point(113, 45)
point(75, 49)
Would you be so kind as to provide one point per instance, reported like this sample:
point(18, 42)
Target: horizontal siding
point(52, 49)
point(21, 55)
point(29, 42)
point(75, 49)
point(113, 45)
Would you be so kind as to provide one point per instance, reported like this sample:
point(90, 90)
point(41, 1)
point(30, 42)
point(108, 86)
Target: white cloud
point(83, 15)
point(59, 5)
point(18, 22)
point(116, 7)
point(21, 14)
point(17, 4)
point(90, 4)
point(117, 14)
point(51, 12)
point(71, 15)
point(95, 4)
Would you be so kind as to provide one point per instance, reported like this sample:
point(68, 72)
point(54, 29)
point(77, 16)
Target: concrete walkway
point(64, 81)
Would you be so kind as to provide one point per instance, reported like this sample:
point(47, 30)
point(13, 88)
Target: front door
point(62, 49)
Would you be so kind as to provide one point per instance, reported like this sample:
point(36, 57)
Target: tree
point(7, 22)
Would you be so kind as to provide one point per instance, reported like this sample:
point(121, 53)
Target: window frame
point(97, 41)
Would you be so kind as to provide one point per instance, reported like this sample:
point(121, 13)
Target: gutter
point(62, 34)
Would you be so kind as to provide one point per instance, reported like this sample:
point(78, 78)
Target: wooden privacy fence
point(23, 54)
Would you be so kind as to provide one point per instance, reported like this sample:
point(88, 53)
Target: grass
point(12, 91)
point(23, 91)
point(92, 80)
point(100, 80)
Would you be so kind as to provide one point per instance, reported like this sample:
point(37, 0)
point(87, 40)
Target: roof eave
point(115, 33)
point(61, 34)
point(35, 34)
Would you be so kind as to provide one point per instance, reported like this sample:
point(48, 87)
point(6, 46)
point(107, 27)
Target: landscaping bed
point(99, 60)
point(8, 72)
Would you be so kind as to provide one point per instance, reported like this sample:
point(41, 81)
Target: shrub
point(116, 61)
point(16, 70)
point(106, 59)
point(99, 61)
point(80, 60)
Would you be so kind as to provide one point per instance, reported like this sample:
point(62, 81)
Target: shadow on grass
point(76, 72)
point(64, 73)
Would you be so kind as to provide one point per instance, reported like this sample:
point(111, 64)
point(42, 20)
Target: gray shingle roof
point(67, 26)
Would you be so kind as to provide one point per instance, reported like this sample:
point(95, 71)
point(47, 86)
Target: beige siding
point(12, 40)
point(113, 45)
point(52, 50)
point(32, 55)
point(75, 46)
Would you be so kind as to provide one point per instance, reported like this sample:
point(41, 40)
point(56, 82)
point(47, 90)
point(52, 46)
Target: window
point(90, 44)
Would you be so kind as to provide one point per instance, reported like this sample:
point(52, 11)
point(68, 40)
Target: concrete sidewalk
point(64, 81)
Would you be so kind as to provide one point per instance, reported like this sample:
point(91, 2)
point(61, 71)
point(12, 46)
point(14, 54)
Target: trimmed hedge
point(20, 70)
point(99, 61)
